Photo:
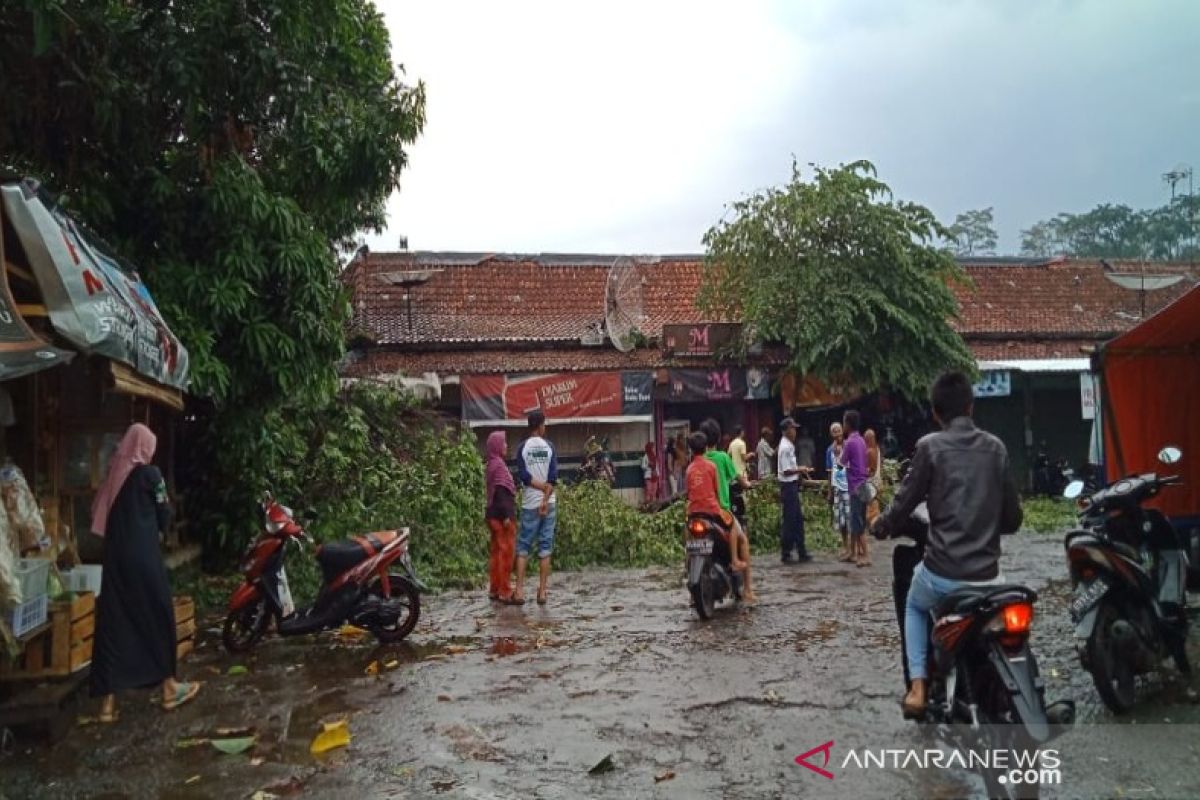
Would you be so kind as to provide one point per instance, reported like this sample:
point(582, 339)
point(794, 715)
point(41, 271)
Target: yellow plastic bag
point(332, 736)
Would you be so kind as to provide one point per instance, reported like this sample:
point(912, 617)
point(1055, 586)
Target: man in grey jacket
point(961, 473)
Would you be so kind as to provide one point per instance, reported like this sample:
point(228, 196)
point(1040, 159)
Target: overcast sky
point(627, 126)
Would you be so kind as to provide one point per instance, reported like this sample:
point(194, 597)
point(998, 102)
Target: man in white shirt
point(537, 464)
point(791, 532)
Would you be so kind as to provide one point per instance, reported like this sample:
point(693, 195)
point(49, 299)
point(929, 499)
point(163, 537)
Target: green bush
point(1047, 514)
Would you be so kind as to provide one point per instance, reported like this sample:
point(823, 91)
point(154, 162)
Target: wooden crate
point(185, 626)
point(62, 650)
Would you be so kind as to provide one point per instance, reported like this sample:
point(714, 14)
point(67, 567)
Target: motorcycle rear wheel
point(404, 593)
point(244, 627)
point(702, 593)
point(1112, 673)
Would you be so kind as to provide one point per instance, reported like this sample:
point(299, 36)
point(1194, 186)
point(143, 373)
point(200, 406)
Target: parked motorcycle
point(368, 581)
point(1050, 478)
point(982, 672)
point(1129, 569)
point(709, 577)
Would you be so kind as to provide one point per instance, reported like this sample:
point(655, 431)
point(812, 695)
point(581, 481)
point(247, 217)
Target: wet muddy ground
point(487, 701)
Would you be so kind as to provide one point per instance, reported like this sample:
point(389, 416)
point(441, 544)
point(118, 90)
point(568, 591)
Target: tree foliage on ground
point(843, 273)
point(1168, 233)
point(973, 233)
point(228, 148)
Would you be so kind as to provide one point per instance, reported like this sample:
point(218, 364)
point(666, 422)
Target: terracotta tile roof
point(1016, 308)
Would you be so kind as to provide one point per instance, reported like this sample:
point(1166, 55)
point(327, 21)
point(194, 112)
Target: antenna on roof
point(623, 304)
point(403, 243)
point(1181, 173)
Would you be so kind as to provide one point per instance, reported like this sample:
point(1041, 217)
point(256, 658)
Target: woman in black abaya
point(134, 644)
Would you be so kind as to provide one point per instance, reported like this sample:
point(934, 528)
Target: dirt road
point(506, 702)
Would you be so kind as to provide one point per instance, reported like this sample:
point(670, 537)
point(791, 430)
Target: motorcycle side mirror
point(1170, 455)
point(1073, 490)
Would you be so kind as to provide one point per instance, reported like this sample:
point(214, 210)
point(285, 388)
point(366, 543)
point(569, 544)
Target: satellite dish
point(1145, 283)
point(624, 310)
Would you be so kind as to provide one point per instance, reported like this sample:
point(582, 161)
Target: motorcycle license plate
point(1087, 596)
point(699, 547)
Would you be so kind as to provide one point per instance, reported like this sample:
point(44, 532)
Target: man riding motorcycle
point(961, 473)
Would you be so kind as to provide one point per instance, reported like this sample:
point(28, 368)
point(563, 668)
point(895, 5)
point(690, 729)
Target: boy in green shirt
point(727, 474)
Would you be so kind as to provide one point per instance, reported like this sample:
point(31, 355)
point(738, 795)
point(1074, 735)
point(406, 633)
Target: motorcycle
point(359, 586)
point(709, 577)
point(982, 672)
point(1050, 478)
point(1129, 570)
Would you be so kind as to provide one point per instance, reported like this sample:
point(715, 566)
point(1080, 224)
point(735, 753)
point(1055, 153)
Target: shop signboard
point(714, 384)
point(564, 395)
point(92, 301)
point(994, 383)
point(701, 339)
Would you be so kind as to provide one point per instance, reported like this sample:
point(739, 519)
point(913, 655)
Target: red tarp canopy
point(1151, 399)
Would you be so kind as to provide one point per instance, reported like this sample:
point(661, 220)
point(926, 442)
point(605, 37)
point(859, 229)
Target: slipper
point(184, 692)
point(109, 718)
point(847, 559)
point(863, 563)
point(511, 601)
point(541, 600)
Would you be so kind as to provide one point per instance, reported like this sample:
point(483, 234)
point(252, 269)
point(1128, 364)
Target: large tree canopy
point(228, 148)
point(1169, 232)
point(845, 275)
point(974, 233)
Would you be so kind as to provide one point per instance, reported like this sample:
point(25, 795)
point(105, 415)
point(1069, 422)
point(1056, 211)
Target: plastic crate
point(32, 574)
point(83, 578)
point(28, 615)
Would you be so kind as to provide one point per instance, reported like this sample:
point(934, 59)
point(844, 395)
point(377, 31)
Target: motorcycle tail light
point(948, 631)
point(1017, 618)
point(697, 528)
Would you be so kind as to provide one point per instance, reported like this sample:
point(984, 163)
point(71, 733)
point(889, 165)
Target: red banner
point(564, 395)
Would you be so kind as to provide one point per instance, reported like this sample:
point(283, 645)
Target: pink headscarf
point(497, 473)
point(137, 447)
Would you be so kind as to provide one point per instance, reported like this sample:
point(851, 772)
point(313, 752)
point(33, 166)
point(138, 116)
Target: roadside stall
point(1149, 381)
point(84, 352)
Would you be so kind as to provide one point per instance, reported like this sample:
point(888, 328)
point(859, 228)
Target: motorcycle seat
point(970, 599)
point(337, 557)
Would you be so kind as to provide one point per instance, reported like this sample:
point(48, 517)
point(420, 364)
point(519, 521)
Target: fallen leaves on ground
point(351, 632)
point(238, 669)
point(391, 664)
point(191, 780)
point(372, 668)
point(604, 765)
point(233, 747)
point(332, 736)
point(669, 775)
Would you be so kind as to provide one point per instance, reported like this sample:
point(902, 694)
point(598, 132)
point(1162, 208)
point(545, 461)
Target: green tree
point(1118, 231)
point(845, 275)
point(228, 148)
point(973, 233)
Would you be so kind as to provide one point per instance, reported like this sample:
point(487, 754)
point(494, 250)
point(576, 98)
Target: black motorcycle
point(1129, 568)
point(709, 576)
point(983, 677)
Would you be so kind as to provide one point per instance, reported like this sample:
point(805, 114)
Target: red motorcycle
point(360, 585)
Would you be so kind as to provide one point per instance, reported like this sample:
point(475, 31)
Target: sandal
point(185, 691)
point(541, 600)
point(109, 718)
point(511, 601)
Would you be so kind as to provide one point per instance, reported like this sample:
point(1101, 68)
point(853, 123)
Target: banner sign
point(714, 383)
point(812, 392)
point(1087, 397)
point(93, 302)
point(705, 339)
point(564, 395)
point(21, 350)
point(994, 383)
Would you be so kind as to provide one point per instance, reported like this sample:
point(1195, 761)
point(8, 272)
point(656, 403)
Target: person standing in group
point(538, 466)
point(679, 463)
point(791, 532)
point(875, 471)
point(839, 491)
point(134, 641)
point(854, 456)
point(766, 454)
point(738, 454)
point(806, 449)
point(650, 473)
point(501, 519)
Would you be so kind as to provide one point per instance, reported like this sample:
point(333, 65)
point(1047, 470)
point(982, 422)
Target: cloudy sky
point(627, 126)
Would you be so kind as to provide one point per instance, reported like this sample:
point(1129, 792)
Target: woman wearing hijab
point(134, 644)
point(650, 472)
point(501, 519)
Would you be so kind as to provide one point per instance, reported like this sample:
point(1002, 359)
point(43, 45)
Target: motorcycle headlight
point(274, 527)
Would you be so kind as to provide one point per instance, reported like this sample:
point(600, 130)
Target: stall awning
point(1150, 383)
point(1037, 365)
point(126, 381)
point(92, 301)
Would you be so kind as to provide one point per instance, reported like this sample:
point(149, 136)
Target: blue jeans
point(924, 593)
point(539, 529)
